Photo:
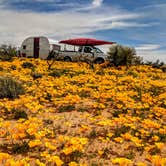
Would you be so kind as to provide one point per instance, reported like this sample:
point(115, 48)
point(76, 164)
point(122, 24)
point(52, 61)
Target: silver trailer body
point(36, 47)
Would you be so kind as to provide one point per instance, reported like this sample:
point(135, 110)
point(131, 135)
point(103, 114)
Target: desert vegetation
point(68, 114)
point(123, 55)
point(7, 52)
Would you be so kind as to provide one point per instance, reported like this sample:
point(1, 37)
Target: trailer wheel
point(99, 60)
point(67, 59)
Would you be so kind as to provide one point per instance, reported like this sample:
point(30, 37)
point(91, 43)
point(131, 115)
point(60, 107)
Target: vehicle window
point(80, 49)
point(97, 50)
point(88, 49)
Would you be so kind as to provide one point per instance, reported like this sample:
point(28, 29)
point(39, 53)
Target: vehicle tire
point(67, 59)
point(99, 60)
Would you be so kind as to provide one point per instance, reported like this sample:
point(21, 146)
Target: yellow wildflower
point(159, 145)
point(56, 160)
point(141, 164)
point(39, 163)
point(34, 143)
point(119, 139)
point(50, 146)
point(73, 163)
point(121, 161)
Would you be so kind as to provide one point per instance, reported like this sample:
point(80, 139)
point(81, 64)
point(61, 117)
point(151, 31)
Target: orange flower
point(121, 161)
point(34, 143)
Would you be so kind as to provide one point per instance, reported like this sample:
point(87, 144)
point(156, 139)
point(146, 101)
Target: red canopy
point(85, 41)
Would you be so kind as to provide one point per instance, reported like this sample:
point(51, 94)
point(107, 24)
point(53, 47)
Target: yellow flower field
point(72, 115)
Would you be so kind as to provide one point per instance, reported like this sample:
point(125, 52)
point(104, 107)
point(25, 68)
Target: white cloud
point(127, 24)
point(105, 48)
point(152, 55)
point(148, 47)
point(15, 26)
point(121, 16)
point(151, 52)
point(97, 3)
point(53, 41)
point(45, 0)
point(158, 5)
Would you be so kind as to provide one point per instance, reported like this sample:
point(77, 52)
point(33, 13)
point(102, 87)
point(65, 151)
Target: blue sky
point(137, 23)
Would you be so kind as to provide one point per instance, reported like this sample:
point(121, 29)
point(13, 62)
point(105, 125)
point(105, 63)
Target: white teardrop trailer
point(35, 47)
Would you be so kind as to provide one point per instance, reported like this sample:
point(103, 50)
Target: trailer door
point(36, 47)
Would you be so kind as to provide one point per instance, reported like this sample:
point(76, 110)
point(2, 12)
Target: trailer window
point(24, 47)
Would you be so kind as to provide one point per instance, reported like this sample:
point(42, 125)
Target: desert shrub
point(123, 55)
point(19, 113)
point(100, 72)
point(82, 109)
point(58, 72)
point(6, 58)
point(84, 93)
point(67, 108)
point(93, 134)
point(7, 52)
point(28, 65)
point(20, 148)
point(51, 58)
point(36, 75)
point(163, 68)
point(48, 97)
point(130, 155)
point(52, 54)
point(9, 88)
point(121, 130)
point(1, 68)
point(13, 67)
point(47, 121)
point(157, 64)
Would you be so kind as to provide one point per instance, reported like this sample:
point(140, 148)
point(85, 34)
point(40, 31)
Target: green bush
point(7, 52)
point(28, 65)
point(157, 64)
point(13, 67)
point(36, 75)
point(9, 88)
point(123, 55)
point(6, 58)
point(58, 72)
point(19, 113)
point(1, 68)
point(20, 148)
point(67, 108)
